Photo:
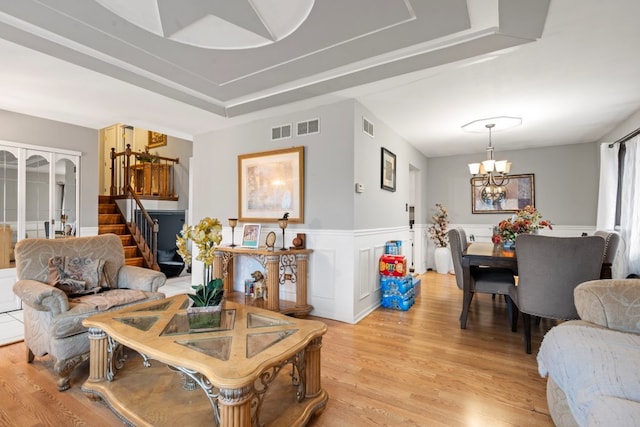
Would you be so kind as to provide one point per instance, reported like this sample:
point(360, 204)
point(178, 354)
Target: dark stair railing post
point(147, 228)
point(127, 169)
point(112, 188)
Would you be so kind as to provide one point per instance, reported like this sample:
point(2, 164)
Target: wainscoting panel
point(332, 281)
point(375, 241)
point(420, 244)
point(323, 260)
point(364, 264)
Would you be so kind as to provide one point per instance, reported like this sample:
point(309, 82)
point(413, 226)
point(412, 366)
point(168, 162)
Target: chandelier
point(491, 175)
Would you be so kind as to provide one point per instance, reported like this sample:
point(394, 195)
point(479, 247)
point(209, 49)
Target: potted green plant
point(205, 312)
point(209, 295)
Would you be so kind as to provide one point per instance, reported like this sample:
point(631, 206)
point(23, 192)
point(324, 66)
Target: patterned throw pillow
point(77, 275)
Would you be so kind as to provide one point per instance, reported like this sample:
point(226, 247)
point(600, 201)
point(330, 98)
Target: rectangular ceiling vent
point(281, 132)
point(308, 127)
point(367, 127)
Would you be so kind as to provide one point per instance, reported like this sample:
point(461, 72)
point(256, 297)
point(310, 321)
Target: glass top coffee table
point(256, 367)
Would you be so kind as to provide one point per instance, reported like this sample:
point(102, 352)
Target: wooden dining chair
point(549, 268)
point(483, 280)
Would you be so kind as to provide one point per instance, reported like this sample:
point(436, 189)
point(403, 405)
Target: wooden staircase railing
point(143, 228)
point(136, 229)
point(149, 175)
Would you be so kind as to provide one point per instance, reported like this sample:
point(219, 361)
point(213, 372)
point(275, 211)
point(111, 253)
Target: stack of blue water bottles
point(396, 284)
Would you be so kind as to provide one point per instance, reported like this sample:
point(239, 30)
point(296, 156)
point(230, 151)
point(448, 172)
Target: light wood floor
point(415, 368)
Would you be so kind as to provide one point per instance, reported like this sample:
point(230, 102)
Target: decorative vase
point(443, 260)
point(509, 244)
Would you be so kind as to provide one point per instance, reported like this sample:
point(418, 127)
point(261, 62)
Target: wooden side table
point(278, 264)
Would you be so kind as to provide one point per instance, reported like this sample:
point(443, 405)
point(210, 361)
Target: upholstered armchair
point(53, 316)
point(611, 243)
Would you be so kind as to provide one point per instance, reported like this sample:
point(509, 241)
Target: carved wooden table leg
point(301, 272)
point(98, 359)
point(273, 279)
point(312, 367)
point(235, 407)
point(98, 364)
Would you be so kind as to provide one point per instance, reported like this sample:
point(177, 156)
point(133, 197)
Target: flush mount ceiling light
point(491, 175)
point(215, 24)
point(499, 124)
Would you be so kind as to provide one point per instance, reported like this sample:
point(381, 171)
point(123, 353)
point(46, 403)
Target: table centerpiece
point(207, 300)
point(528, 220)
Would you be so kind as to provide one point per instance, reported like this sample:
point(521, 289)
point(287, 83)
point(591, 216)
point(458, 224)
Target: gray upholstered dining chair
point(549, 268)
point(611, 243)
point(483, 280)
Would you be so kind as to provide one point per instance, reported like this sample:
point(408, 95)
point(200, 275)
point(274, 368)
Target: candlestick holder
point(232, 223)
point(283, 223)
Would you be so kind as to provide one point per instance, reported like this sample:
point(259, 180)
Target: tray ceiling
point(423, 67)
point(235, 57)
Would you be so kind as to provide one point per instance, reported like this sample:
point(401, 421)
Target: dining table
point(483, 254)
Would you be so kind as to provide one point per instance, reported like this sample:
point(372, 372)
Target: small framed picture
point(388, 170)
point(251, 235)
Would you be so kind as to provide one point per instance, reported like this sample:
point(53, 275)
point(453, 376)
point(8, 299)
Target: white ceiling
point(569, 68)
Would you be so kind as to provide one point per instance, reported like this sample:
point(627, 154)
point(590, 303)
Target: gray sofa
point(52, 319)
point(593, 364)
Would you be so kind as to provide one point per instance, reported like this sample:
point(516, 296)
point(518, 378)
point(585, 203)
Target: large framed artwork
point(520, 190)
point(270, 184)
point(387, 170)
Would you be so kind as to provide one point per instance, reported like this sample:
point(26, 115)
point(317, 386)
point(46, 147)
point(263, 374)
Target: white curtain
point(630, 207)
point(606, 219)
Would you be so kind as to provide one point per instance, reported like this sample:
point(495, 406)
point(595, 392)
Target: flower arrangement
point(146, 156)
point(438, 230)
point(526, 220)
point(206, 235)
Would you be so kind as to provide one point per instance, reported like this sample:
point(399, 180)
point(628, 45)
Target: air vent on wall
point(367, 127)
point(281, 132)
point(308, 127)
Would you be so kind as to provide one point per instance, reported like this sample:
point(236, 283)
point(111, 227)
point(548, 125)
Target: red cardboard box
point(393, 265)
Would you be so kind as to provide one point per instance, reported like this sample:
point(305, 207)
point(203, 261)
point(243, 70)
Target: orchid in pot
point(206, 235)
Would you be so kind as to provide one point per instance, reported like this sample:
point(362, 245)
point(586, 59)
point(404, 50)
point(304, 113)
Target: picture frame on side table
point(251, 236)
point(271, 183)
point(520, 193)
point(387, 170)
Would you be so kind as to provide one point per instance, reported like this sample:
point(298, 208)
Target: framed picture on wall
point(520, 192)
point(156, 139)
point(387, 170)
point(271, 183)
